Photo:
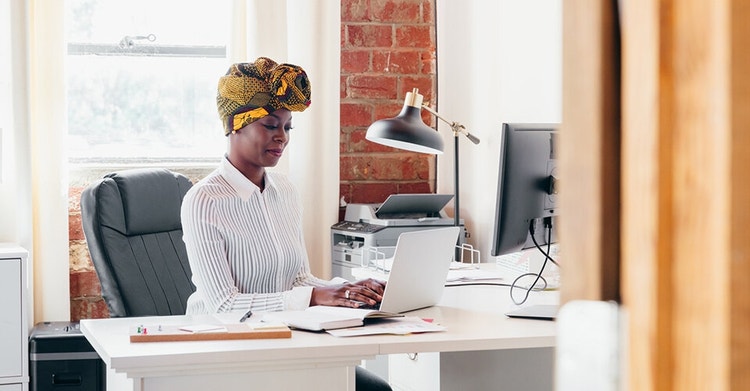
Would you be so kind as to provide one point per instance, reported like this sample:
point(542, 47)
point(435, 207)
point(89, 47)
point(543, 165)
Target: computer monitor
point(526, 187)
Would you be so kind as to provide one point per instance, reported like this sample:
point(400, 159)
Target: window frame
point(130, 46)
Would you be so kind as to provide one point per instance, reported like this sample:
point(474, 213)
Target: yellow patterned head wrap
point(251, 91)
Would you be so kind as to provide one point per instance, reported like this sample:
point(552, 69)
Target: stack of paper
point(472, 274)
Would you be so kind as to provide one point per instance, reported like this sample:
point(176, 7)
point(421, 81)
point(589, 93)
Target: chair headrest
point(151, 199)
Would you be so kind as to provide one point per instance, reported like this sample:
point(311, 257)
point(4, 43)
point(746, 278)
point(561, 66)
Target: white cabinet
point(508, 369)
point(14, 344)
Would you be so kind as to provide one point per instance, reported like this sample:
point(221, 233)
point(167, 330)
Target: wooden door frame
point(680, 125)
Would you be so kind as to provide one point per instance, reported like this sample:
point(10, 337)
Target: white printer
point(368, 234)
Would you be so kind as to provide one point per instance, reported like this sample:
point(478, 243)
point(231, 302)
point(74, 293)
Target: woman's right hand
point(366, 292)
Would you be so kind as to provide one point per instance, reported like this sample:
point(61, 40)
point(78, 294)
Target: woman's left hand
point(373, 285)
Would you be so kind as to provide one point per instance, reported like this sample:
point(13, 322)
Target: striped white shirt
point(245, 247)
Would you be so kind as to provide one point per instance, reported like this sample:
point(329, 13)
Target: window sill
point(81, 172)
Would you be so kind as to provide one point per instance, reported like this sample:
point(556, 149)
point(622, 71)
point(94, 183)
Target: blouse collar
point(243, 186)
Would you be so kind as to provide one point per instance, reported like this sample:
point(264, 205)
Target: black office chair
point(131, 221)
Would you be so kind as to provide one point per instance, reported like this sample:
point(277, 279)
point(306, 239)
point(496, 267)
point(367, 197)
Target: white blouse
point(245, 247)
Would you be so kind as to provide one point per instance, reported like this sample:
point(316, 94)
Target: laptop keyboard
point(365, 306)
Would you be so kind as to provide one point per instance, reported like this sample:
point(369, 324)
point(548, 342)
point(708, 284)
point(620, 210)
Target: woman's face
point(261, 143)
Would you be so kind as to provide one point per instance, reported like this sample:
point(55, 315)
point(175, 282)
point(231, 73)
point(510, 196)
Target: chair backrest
point(131, 220)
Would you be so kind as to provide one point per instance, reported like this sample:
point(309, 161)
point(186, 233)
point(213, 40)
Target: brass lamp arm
point(455, 126)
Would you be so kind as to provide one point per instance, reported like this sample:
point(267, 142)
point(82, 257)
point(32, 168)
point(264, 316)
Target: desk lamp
point(407, 131)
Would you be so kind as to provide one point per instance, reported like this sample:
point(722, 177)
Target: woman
point(242, 224)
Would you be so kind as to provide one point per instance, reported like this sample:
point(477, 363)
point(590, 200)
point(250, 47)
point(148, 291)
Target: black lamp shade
point(406, 131)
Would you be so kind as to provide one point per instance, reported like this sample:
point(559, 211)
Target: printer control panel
point(352, 226)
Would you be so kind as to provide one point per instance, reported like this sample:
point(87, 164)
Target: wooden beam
point(647, 196)
point(739, 262)
point(590, 152)
point(686, 188)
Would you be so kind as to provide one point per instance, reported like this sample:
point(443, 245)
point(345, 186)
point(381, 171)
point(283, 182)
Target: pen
point(248, 314)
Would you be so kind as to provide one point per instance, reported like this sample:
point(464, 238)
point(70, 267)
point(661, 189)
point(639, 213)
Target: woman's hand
point(372, 285)
point(364, 292)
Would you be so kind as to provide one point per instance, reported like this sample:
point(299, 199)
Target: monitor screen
point(526, 187)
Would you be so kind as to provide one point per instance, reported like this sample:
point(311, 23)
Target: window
point(141, 79)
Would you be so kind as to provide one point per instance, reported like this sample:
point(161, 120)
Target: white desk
point(474, 317)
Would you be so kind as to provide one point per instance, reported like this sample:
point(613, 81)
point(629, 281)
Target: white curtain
point(37, 132)
point(306, 33)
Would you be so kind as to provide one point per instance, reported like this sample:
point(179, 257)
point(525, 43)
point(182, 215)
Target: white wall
point(498, 61)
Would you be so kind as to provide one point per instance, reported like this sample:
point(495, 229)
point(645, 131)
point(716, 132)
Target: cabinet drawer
point(11, 319)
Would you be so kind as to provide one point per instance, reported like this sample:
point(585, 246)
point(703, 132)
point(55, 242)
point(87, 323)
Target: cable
point(476, 283)
point(548, 225)
point(529, 289)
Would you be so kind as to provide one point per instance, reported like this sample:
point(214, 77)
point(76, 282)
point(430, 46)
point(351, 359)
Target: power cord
point(547, 257)
point(476, 284)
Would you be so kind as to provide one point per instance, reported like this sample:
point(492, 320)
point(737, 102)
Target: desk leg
point(120, 382)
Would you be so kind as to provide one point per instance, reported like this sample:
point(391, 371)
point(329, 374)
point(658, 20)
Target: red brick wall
point(85, 291)
point(387, 49)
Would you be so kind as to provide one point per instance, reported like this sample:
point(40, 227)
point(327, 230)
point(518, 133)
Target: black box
point(61, 358)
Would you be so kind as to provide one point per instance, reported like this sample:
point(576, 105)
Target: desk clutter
point(208, 332)
point(368, 234)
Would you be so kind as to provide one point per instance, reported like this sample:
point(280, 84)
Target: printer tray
point(419, 205)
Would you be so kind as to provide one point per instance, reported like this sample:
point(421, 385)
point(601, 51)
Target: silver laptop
point(420, 267)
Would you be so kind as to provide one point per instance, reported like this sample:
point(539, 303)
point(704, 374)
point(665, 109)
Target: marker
point(248, 314)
